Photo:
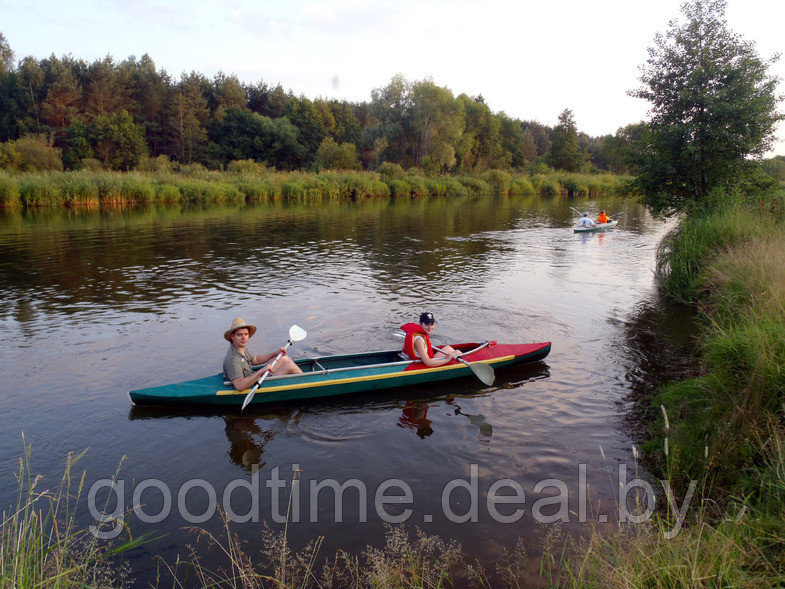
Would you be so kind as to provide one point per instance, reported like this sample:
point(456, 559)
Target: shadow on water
point(659, 347)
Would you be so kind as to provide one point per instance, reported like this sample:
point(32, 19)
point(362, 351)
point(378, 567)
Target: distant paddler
point(239, 361)
point(603, 218)
point(584, 221)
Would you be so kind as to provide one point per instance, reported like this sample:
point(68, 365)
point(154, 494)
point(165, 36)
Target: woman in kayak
point(238, 360)
point(417, 344)
point(603, 218)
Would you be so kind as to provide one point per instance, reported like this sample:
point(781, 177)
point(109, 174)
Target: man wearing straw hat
point(238, 360)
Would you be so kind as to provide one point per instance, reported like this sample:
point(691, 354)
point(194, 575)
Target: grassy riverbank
point(724, 428)
point(251, 182)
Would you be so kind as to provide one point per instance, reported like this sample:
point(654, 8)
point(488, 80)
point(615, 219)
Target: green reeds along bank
point(247, 181)
point(40, 543)
point(9, 191)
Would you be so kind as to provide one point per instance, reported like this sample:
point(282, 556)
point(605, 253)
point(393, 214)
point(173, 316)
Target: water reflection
point(477, 420)
point(415, 417)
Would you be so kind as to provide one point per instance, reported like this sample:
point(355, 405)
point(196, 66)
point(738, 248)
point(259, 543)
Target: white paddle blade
point(297, 333)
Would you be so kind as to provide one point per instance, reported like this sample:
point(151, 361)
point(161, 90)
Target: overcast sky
point(529, 59)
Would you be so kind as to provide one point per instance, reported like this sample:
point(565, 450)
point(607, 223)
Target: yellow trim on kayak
point(308, 385)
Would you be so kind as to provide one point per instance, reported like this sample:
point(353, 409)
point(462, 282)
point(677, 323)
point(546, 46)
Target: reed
point(248, 181)
point(9, 191)
point(41, 544)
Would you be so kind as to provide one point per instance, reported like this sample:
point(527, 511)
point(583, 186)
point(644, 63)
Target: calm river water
point(95, 303)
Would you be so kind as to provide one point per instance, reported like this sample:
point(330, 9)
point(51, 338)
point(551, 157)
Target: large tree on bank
point(714, 106)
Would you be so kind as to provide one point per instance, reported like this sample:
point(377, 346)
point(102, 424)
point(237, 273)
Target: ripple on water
point(332, 426)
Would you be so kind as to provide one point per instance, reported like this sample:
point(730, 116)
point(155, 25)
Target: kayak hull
point(340, 375)
point(597, 228)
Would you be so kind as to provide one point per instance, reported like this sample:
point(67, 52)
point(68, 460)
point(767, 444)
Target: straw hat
point(238, 323)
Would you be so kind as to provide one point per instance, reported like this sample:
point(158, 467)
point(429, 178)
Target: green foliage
point(399, 187)
point(332, 156)
point(417, 184)
point(10, 159)
point(167, 193)
point(248, 166)
point(9, 191)
point(547, 185)
point(391, 171)
point(41, 543)
point(684, 254)
point(521, 187)
point(38, 190)
point(117, 141)
point(36, 153)
point(242, 134)
point(565, 153)
point(499, 181)
point(714, 105)
point(157, 164)
point(77, 189)
point(475, 185)
point(775, 167)
point(6, 55)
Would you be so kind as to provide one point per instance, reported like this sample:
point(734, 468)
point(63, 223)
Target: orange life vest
point(603, 218)
point(412, 329)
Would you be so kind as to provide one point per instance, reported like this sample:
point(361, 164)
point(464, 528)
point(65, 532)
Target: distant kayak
point(338, 375)
point(598, 227)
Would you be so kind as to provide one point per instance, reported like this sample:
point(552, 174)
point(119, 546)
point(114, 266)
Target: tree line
point(121, 113)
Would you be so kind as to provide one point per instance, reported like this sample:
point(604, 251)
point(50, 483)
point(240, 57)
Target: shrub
point(499, 180)
point(247, 166)
point(38, 154)
point(418, 185)
point(522, 187)
point(475, 185)
point(91, 164)
point(10, 159)
point(391, 171)
point(399, 187)
point(157, 164)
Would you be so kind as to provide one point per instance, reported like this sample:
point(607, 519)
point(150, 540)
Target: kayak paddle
point(482, 371)
point(296, 334)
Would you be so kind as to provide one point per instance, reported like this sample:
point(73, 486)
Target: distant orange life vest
point(603, 218)
point(412, 329)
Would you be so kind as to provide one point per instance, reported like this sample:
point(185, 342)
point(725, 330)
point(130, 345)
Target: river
point(94, 303)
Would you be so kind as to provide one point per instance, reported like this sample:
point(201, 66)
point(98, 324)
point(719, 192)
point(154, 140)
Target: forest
point(65, 113)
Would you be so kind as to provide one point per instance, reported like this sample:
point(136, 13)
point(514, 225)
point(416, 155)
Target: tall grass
point(9, 191)
point(726, 427)
point(41, 544)
point(420, 562)
point(248, 181)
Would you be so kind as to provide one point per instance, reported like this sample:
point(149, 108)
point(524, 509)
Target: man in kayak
point(238, 360)
point(585, 221)
point(417, 344)
point(603, 218)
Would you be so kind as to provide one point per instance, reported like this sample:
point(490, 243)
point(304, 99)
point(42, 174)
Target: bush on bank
point(248, 181)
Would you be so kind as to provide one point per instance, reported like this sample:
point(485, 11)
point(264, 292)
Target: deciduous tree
point(714, 106)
